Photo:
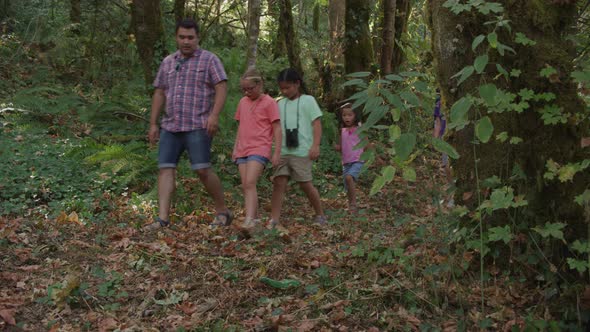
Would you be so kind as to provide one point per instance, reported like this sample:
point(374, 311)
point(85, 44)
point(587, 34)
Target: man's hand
point(153, 134)
point(314, 152)
point(212, 124)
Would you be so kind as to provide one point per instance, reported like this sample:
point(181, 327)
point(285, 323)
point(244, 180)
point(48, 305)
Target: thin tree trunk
point(75, 11)
point(388, 34)
point(254, 7)
point(288, 31)
point(358, 50)
point(403, 9)
point(337, 12)
point(147, 25)
point(548, 201)
point(179, 10)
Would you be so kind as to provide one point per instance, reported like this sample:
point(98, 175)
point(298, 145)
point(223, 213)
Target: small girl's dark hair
point(357, 115)
point(292, 76)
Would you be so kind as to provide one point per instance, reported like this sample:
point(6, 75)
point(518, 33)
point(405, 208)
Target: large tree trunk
point(75, 11)
point(402, 14)
point(288, 31)
point(358, 51)
point(452, 35)
point(388, 36)
point(146, 20)
point(179, 10)
point(254, 7)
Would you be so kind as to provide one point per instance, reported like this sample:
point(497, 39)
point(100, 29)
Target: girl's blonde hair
point(253, 74)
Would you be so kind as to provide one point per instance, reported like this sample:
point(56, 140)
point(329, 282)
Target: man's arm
point(314, 152)
point(218, 103)
point(158, 100)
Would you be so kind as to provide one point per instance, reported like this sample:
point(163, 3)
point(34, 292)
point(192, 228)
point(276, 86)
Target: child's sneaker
point(250, 222)
point(321, 220)
point(271, 223)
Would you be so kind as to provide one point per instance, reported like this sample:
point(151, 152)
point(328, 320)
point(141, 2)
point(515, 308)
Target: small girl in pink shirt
point(351, 156)
point(259, 125)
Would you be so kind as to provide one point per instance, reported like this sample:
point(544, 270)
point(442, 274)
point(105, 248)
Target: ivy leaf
point(500, 234)
point(526, 94)
point(515, 140)
point(465, 73)
point(394, 132)
point(584, 198)
point(502, 137)
point(484, 129)
point(501, 70)
point(393, 77)
point(405, 145)
point(444, 147)
point(488, 7)
point(548, 71)
point(551, 230)
point(409, 174)
point(581, 247)
point(577, 264)
point(493, 39)
point(515, 73)
point(480, 63)
point(359, 74)
point(477, 41)
point(488, 94)
point(459, 111)
point(581, 76)
point(522, 39)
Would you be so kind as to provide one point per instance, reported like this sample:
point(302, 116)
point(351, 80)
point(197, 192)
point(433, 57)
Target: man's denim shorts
point(254, 157)
point(352, 169)
point(197, 144)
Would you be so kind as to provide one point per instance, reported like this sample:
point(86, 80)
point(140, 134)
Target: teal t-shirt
point(309, 110)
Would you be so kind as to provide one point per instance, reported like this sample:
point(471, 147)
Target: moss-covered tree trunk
point(288, 31)
point(358, 51)
point(179, 6)
point(403, 9)
point(254, 8)
point(388, 35)
point(146, 21)
point(520, 165)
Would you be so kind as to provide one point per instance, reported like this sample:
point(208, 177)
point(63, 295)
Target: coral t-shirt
point(255, 134)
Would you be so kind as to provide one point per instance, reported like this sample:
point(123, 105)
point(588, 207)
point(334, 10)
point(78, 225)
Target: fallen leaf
point(107, 324)
point(307, 325)
point(8, 316)
point(467, 196)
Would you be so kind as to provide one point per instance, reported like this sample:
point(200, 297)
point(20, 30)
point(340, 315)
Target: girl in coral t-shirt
point(259, 125)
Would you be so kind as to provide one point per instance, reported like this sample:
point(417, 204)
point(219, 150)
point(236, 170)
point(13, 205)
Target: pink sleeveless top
point(348, 140)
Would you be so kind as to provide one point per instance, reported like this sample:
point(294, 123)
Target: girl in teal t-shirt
point(302, 132)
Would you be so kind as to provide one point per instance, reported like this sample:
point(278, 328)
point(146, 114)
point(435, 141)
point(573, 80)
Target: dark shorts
point(197, 144)
point(254, 157)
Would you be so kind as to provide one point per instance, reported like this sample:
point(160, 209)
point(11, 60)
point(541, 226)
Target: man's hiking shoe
point(321, 220)
point(222, 219)
point(157, 224)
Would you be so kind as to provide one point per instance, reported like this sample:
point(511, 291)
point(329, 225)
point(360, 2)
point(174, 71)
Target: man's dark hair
point(187, 23)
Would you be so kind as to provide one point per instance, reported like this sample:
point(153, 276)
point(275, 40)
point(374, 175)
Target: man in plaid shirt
point(192, 84)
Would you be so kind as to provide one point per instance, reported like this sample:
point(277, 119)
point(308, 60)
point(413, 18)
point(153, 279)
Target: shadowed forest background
point(78, 177)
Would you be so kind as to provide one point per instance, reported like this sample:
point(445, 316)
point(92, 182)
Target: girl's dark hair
point(187, 23)
point(357, 115)
point(292, 76)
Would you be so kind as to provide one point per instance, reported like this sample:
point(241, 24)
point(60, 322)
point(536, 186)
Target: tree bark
point(358, 52)
point(403, 9)
point(75, 11)
point(146, 20)
point(388, 36)
point(452, 35)
point(254, 7)
point(288, 31)
point(179, 6)
point(337, 12)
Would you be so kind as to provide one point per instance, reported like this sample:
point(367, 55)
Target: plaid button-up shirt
point(189, 85)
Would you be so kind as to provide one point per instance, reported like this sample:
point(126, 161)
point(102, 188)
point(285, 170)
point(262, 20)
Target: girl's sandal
point(222, 219)
point(158, 223)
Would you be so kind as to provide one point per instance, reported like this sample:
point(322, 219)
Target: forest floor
point(389, 268)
